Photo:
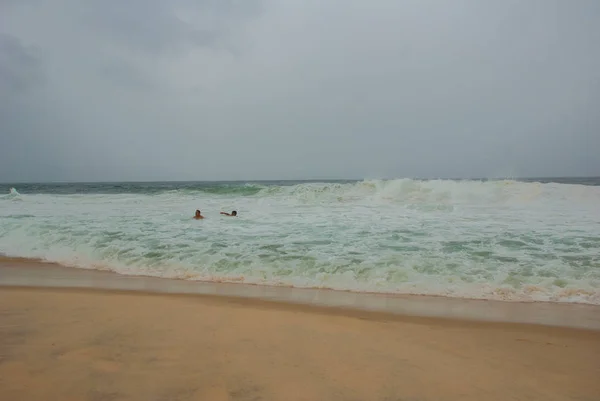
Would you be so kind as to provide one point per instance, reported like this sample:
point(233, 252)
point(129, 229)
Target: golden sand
point(85, 344)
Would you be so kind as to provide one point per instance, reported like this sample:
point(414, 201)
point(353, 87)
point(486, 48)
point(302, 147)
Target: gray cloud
point(21, 77)
point(247, 90)
point(20, 67)
point(147, 26)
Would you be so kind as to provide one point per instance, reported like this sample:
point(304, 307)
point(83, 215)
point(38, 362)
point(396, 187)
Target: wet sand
point(28, 272)
point(123, 344)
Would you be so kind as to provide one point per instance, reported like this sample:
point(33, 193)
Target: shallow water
point(506, 240)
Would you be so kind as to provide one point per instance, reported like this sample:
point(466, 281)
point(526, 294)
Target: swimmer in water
point(232, 214)
point(198, 215)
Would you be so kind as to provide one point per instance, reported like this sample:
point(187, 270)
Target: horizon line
point(301, 179)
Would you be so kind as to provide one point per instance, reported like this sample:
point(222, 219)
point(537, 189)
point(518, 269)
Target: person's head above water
point(198, 215)
point(234, 213)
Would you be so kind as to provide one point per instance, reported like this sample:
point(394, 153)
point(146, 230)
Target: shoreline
point(10, 261)
point(28, 273)
point(75, 334)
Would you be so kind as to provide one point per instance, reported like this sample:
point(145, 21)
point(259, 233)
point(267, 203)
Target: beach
point(299, 201)
point(382, 290)
point(82, 338)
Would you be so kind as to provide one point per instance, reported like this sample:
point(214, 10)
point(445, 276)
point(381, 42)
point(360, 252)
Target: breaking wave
point(508, 240)
point(13, 194)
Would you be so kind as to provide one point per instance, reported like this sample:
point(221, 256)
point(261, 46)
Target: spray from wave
point(440, 192)
point(403, 191)
point(13, 194)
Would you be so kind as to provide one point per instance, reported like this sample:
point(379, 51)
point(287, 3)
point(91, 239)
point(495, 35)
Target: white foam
point(492, 240)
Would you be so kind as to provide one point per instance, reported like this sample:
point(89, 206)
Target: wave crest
point(13, 194)
point(433, 191)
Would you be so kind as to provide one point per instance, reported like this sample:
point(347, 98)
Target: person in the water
point(198, 215)
point(232, 214)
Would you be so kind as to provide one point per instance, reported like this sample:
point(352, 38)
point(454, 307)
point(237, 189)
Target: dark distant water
point(524, 240)
point(216, 186)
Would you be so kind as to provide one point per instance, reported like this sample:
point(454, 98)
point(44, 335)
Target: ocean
point(513, 240)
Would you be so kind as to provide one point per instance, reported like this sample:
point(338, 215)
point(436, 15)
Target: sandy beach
point(100, 344)
point(299, 200)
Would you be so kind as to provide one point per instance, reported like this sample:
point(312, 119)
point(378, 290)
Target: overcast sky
point(291, 89)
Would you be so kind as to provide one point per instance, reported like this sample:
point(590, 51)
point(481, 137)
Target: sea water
point(502, 239)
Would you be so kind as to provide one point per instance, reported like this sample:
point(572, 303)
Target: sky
point(130, 90)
